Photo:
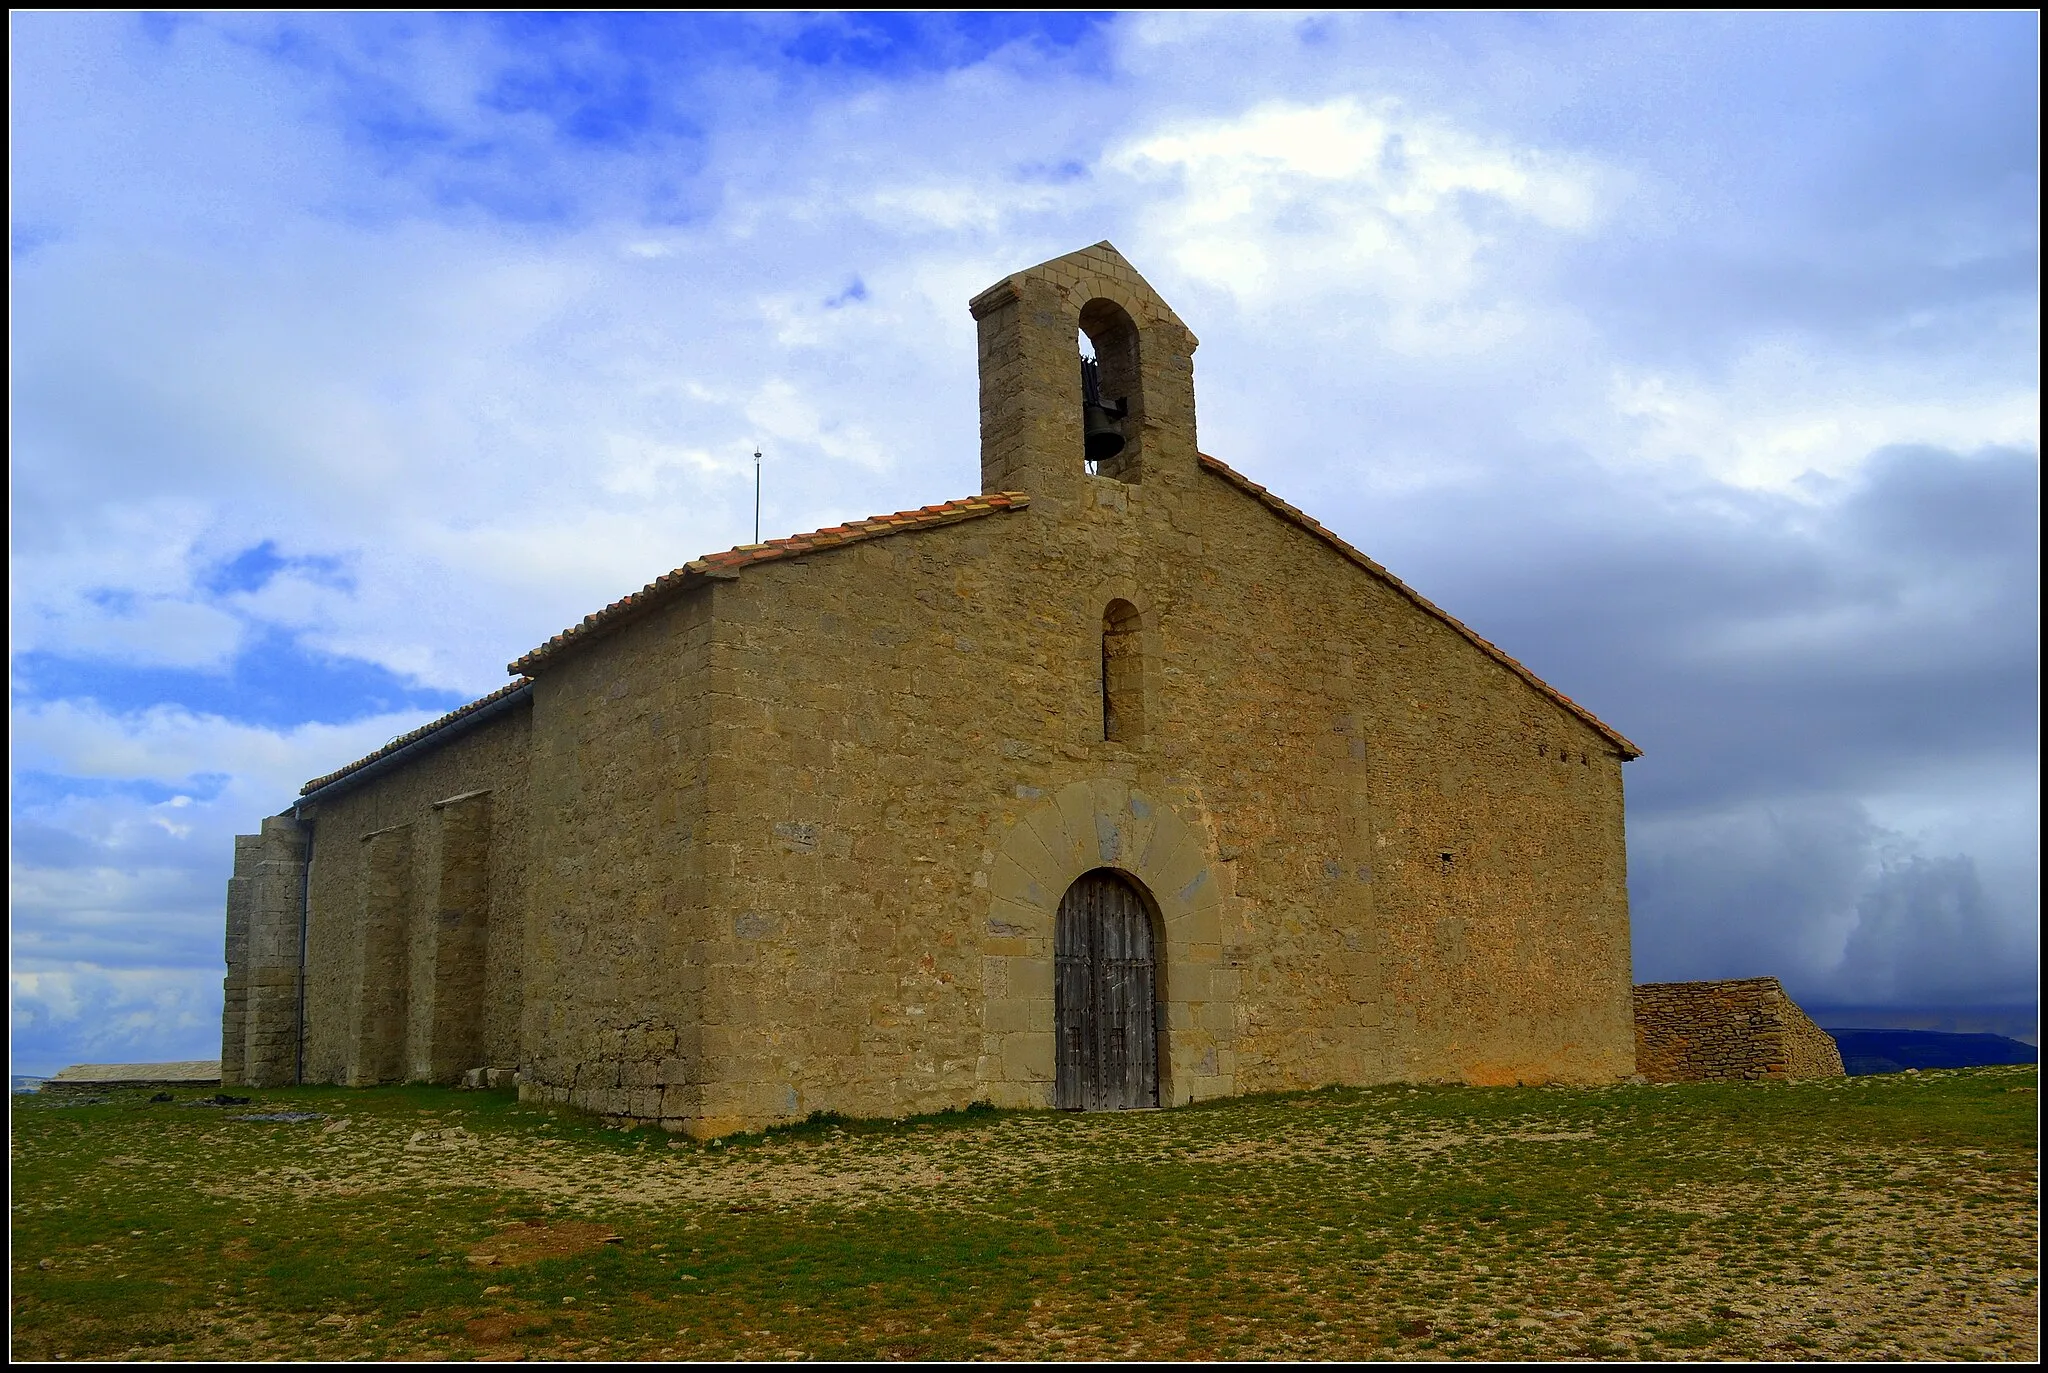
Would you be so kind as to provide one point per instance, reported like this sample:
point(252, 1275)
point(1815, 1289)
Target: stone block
point(1028, 1057)
point(1008, 1016)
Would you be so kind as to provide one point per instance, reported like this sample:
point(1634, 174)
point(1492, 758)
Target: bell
point(1103, 434)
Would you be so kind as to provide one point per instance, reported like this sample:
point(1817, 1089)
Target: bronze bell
point(1101, 427)
point(1104, 432)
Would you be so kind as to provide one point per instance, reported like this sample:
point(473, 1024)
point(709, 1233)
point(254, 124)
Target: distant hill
point(1894, 1051)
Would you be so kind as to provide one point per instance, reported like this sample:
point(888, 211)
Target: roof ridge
point(411, 737)
point(730, 562)
point(1316, 527)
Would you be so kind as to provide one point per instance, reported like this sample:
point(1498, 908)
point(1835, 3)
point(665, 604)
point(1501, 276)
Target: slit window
point(1123, 675)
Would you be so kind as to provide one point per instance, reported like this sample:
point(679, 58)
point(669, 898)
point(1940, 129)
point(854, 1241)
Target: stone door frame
point(1051, 841)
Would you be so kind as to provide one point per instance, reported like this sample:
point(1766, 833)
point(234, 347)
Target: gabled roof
point(1309, 523)
point(668, 586)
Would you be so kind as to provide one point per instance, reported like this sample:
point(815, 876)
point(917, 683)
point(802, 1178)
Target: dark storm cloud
point(1781, 661)
point(1926, 933)
point(1814, 892)
point(1712, 893)
point(1757, 644)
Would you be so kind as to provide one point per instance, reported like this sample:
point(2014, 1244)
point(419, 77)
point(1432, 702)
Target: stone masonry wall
point(382, 993)
point(416, 942)
point(234, 1014)
point(1741, 1030)
point(820, 815)
point(457, 947)
point(884, 939)
point(260, 1005)
point(1810, 1051)
point(617, 968)
point(1404, 807)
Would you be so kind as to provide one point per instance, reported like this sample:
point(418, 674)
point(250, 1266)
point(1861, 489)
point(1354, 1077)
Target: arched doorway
point(1105, 997)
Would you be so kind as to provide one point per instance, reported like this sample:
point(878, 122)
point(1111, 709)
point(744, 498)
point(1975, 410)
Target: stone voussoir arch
point(1104, 823)
point(1088, 275)
point(1126, 588)
point(1086, 287)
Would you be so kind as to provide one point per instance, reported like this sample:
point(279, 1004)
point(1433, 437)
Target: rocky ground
point(1870, 1218)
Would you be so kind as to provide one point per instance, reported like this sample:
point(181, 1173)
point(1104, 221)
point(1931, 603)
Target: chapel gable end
point(1612, 739)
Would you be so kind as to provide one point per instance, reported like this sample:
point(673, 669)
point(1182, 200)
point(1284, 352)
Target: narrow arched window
point(1123, 674)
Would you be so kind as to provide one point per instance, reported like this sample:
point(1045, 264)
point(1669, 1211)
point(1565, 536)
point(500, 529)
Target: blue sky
point(1690, 358)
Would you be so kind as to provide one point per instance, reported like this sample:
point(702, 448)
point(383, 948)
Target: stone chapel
point(1123, 783)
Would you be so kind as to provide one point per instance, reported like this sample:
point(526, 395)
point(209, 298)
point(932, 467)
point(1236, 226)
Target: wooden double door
point(1105, 997)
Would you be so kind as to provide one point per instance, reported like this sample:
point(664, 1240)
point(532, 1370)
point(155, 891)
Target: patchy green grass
point(1891, 1217)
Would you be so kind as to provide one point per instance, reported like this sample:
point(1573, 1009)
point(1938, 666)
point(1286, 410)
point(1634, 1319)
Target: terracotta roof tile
point(1288, 512)
point(670, 584)
point(414, 736)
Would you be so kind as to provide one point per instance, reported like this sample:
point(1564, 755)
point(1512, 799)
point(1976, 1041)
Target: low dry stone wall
point(1741, 1030)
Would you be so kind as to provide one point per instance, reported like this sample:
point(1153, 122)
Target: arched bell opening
point(1111, 406)
point(1107, 988)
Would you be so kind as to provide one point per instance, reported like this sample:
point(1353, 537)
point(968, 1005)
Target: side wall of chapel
point(416, 918)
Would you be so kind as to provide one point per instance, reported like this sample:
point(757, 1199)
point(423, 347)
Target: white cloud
point(169, 745)
point(157, 631)
point(982, 205)
point(294, 600)
point(86, 1013)
point(1788, 407)
point(1284, 204)
point(115, 581)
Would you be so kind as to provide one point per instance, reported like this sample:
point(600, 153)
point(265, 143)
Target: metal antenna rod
point(757, 493)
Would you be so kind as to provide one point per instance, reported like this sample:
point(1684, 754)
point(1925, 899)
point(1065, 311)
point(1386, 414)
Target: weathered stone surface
point(383, 959)
point(1740, 1030)
point(787, 831)
point(454, 980)
point(271, 953)
point(482, 775)
point(234, 1015)
point(188, 1073)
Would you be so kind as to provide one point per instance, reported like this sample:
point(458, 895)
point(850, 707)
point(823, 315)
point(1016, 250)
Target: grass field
point(1881, 1217)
